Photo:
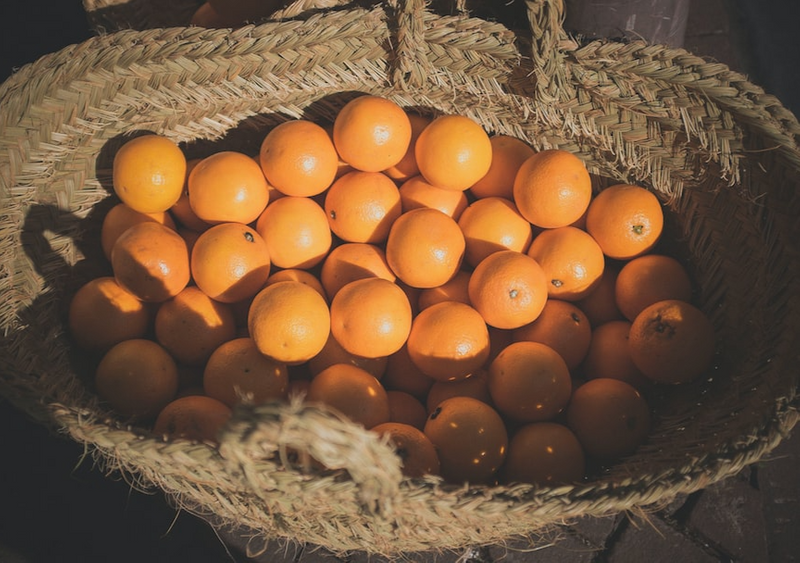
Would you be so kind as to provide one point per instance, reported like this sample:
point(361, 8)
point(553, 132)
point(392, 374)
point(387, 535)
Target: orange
point(425, 248)
point(609, 355)
point(448, 341)
point(227, 186)
point(289, 322)
point(236, 371)
point(600, 304)
point(529, 382)
point(191, 326)
point(672, 341)
point(194, 417)
point(552, 188)
point(353, 392)
point(571, 259)
point(493, 224)
point(625, 220)
point(609, 417)
point(407, 167)
point(417, 192)
point(416, 451)
point(403, 375)
point(563, 327)
point(470, 438)
point(646, 279)
point(151, 261)
point(295, 274)
point(298, 158)
point(370, 317)
point(120, 218)
point(353, 261)
point(508, 154)
point(361, 206)
point(475, 386)
point(334, 353)
point(457, 289)
point(230, 262)
point(509, 289)
point(137, 378)
point(546, 454)
point(453, 152)
point(295, 231)
point(372, 133)
point(405, 408)
point(103, 313)
point(148, 173)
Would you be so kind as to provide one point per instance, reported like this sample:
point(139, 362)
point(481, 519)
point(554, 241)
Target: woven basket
point(720, 153)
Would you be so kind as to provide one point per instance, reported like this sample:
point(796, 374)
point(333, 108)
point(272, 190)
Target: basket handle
point(411, 66)
point(280, 432)
point(550, 45)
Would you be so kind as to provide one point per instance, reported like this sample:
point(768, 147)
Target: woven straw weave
point(720, 153)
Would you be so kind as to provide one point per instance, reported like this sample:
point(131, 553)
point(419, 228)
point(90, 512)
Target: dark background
point(55, 508)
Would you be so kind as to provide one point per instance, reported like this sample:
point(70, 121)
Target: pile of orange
point(467, 295)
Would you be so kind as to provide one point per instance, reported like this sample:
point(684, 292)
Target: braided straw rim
point(720, 153)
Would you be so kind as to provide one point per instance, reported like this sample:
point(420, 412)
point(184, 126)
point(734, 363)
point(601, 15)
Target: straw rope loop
point(411, 65)
point(549, 42)
point(280, 432)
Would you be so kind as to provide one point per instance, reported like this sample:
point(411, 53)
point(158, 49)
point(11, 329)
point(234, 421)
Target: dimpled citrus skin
point(529, 382)
point(362, 206)
point(509, 289)
point(448, 341)
point(148, 173)
point(571, 259)
point(151, 261)
point(372, 133)
point(470, 437)
point(137, 378)
point(370, 317)
point(227, 186)
point(230, 262)
point(298, 158)
point(425, 248)
point(415, 449)
point(353, 392)
point(609, 417)
point(546, 454)
point(552, 188)
point(453, 152)
point(672, 341)
point(289, 321)
point(295, 232)
point(625, 220)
